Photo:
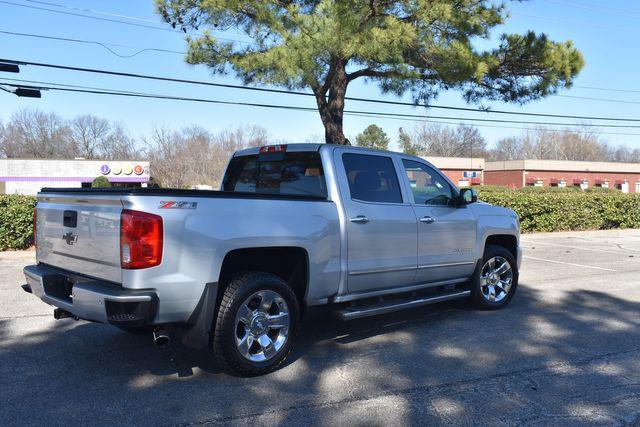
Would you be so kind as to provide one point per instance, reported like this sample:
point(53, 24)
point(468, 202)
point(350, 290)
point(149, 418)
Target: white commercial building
point(28, 176)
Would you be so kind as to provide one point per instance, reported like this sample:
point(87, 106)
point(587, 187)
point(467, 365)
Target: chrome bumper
point(91, 300)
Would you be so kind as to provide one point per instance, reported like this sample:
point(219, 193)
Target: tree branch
point(370, 72)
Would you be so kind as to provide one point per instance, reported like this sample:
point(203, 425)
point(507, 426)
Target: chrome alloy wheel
point(496, 278)
point(262, 326)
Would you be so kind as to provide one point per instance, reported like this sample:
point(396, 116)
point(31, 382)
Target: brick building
point(463, 171)
point(560, 173)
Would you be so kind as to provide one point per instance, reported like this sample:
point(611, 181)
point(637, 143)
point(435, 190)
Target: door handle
point(360, 219)
point(427, 219)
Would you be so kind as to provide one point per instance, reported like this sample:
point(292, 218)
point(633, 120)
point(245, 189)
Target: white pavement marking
point(577, 247)
point(569, 263)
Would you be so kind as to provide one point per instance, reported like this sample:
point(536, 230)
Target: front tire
point(496, 280)
point(256, 324)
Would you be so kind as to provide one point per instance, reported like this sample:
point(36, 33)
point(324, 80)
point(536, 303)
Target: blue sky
point(606, 33)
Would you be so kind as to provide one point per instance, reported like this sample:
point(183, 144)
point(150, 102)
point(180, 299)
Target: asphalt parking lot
point(566, 351)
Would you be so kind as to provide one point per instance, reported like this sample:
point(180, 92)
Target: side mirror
point(468, 195)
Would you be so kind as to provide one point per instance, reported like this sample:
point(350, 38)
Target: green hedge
point(563, 209)
point(16, 221)
point(539, 210)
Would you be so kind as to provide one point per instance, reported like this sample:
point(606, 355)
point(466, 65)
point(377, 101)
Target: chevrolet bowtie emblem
point(70, 238)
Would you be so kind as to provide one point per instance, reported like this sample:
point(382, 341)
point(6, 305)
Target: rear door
point(80, 233)
point(446, 233)
point(381, 227)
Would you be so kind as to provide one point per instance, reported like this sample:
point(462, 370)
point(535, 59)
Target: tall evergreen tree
point(416, 46)
point(373, 137)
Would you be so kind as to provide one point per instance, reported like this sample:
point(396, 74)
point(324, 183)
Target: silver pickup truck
point(293, 226)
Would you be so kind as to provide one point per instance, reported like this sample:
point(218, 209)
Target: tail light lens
point(141, 238)
point(273, 148)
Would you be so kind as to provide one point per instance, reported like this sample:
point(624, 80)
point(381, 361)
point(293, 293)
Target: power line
point(600, 99)
point(496, 126)
point(289, 92)
point(409, 117)
point(116, 21)
point(104, 45)
point(608, 89)
point(97, 12)
point(219, 38)
point(89, 17)
point(149, 49)
point(598, 9)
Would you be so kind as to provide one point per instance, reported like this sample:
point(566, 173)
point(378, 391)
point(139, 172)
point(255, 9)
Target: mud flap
point(197, 330)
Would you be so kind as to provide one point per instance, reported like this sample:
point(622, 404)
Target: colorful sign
point(138, 170)
point(128, 170)
point(105, 169)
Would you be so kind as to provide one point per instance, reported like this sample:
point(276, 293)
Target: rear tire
point(496, 280)
point(256, 324)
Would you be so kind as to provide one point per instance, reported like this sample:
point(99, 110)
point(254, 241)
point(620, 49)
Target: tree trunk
point(331, 104)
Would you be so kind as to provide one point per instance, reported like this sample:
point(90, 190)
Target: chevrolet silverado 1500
point(293, 226)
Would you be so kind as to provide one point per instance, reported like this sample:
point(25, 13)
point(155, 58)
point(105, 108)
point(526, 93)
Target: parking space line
point(578, 247)
point(568, 263)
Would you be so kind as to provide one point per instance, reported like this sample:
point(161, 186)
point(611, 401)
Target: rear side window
point(295, 174)
point(372, 178)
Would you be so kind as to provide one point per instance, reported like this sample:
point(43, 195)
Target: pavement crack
point(25, 316)
point(431, 390)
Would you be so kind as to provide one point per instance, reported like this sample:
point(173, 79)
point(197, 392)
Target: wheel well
point(507, 241)
point(289, 263)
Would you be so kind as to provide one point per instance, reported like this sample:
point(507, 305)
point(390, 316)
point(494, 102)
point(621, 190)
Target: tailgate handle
point(70, 218)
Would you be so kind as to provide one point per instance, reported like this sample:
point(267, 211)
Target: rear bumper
point(92, 300)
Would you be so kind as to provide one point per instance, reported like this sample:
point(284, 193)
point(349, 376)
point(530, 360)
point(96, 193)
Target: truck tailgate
point(80, 233)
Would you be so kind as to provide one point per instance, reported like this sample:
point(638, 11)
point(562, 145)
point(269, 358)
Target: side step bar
point(356, 312)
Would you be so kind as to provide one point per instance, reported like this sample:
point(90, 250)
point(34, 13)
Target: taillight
point(141, 237)
point(35, 226)
point(273, 148)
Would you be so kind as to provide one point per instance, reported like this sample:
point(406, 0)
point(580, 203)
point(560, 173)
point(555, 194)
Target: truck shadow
point(540, 359)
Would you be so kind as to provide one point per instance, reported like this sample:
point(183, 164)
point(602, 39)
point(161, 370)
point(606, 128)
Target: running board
point(355, 312)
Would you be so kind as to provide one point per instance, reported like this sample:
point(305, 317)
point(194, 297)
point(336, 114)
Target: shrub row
point(16, 221)
point(553, 210)
point(539, 210)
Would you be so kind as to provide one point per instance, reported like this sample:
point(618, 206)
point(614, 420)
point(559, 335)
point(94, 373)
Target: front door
point(446, 234)
point(381, 228)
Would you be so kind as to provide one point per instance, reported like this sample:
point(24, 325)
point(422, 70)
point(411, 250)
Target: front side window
point(295, 174)
point(372, 178)
point(429, 188)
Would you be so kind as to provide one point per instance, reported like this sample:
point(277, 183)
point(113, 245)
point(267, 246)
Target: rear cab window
point(297, 173)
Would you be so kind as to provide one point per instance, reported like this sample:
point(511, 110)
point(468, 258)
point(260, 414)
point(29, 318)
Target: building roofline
point(68, 160)
point(562, 166)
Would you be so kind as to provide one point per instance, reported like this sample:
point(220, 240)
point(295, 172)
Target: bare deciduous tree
point(551, 144)
point(194, 155)
point(430, 139)
point(88, 133)
point(35, 134)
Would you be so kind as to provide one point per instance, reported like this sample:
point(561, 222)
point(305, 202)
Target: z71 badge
point(178, 205)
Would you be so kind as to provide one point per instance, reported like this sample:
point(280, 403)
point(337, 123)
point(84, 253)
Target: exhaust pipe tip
point(59, 313)
point(161, 337)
